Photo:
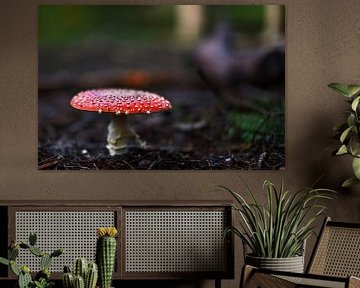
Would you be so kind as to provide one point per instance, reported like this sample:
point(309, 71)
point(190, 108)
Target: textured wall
point(322, 46)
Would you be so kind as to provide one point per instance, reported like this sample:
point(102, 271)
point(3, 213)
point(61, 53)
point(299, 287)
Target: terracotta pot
point(291, 264)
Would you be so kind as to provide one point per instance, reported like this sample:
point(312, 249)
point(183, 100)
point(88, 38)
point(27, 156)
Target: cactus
point(89, 272)
point(13, 253)
point(42, 278)
point(57, 253)
point(68, 280)
point(14, 268)
point(45, 261)
point(25, 269)
point(106, 254)
point(36, 251)
point(24, 245)
point(67, 269)
point(80, 267)
point(91, 276)
point(24, 277)
point(32, 238)
point(79, 282)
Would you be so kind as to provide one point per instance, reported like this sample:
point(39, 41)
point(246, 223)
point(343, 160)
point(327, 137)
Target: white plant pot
point(291, 264)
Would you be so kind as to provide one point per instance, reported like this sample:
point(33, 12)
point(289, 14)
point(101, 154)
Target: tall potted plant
point(349, 131)
point(275, 234)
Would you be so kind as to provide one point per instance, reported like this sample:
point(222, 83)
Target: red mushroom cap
point(120, 101)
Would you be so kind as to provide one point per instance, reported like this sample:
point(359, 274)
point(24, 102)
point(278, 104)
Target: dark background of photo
point(322, 42)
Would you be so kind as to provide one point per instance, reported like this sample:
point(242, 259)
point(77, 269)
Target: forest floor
point(199, 133)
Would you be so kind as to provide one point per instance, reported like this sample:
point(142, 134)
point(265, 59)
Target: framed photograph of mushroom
point(161, 87)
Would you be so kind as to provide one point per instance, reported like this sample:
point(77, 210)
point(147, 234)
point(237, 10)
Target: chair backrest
point(337, 251)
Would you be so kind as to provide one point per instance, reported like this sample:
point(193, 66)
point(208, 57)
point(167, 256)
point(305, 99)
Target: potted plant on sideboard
point(274, 235)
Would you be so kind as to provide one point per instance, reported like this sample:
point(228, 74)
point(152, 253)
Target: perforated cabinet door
point(175, 241)
point(75, 231)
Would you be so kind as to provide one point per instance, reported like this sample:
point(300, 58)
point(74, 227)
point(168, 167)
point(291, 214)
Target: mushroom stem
point(121, 136)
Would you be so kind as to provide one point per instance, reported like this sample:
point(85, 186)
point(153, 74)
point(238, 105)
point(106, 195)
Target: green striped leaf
point(342, 150)
point(340, 88)
point(355, 103)
point(353, 89)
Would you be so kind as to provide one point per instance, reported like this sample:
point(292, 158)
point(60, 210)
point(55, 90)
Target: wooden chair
point(334, 263)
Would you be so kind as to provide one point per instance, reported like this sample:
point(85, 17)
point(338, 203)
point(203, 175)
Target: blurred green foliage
point(67, 24)
point(257, 128)
point(244, 18)
point(62, 24)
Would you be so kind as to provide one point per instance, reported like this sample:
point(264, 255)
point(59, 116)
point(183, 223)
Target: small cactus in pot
point(80, 267)
point(85, 275)
point(106, 254)
point(91, 276)
point(68, 278)
point(79, 282)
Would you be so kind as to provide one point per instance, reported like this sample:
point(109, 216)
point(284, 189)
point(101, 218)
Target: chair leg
point(217, 283)
point(246, 273)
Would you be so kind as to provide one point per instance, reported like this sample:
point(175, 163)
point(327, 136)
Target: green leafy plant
point(279, 229)
point(43, 283)
point(349, 132)
point(42, 278)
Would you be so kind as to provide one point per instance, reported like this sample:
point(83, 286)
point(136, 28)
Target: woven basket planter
point(291, 264)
